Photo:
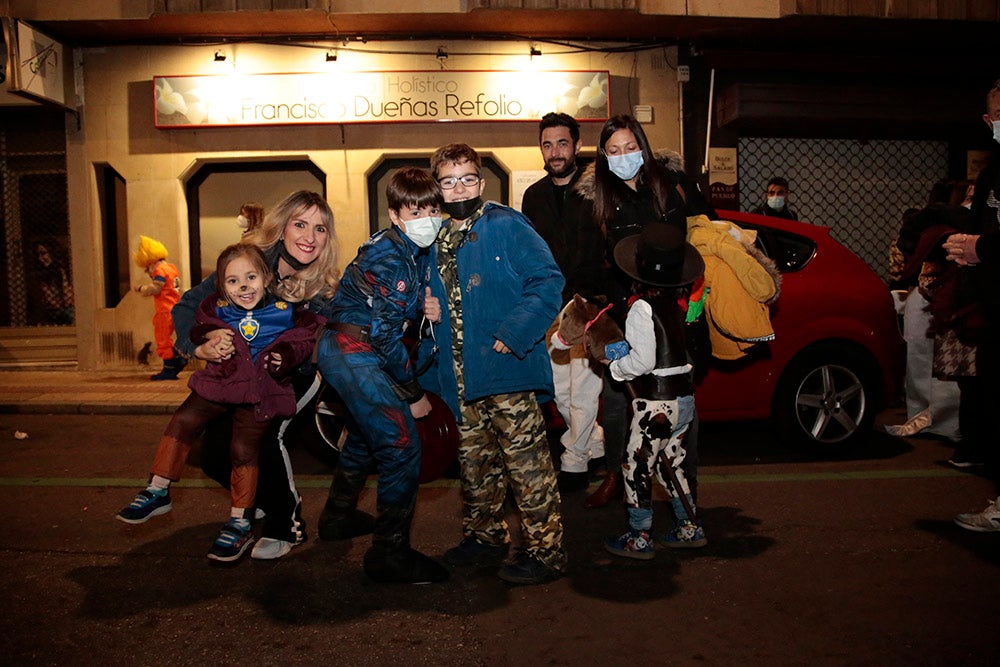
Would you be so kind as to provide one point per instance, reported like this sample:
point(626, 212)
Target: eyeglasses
point(468, 181)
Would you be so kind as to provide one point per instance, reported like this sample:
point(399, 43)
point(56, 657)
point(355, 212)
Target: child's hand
point(421, 408)
point(432, 307)
point(501, 347)
point(273, 362)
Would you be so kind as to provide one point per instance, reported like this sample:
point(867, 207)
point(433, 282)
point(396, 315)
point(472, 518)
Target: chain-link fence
point(857, 189)
point(37, 285)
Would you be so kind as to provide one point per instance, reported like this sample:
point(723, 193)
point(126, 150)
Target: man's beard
point(568, 168)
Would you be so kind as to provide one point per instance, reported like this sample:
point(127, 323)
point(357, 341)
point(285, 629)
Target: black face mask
point(461, 210)
point(292, 262)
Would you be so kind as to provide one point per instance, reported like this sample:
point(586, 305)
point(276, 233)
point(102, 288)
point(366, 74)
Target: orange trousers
point(163, 331)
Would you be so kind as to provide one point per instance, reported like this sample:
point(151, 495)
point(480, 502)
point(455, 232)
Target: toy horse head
point(588, 322)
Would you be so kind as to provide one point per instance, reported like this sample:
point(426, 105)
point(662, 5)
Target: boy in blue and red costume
point(253, 385)
point(363, 357)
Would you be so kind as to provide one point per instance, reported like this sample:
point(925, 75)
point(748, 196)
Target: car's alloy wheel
point(825, 399)
point(830, 404)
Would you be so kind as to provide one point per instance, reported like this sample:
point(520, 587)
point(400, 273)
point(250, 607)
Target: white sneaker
point(987, 521)
point(268, 548)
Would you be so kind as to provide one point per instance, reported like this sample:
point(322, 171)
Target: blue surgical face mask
point(423, 231)
point(625, 166)
point(777, 202)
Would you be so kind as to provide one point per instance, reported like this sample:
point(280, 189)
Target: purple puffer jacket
point(240, 380)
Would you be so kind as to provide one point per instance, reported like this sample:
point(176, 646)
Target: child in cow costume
point(654, 361)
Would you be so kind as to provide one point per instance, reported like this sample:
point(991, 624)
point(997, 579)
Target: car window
point(789, 251)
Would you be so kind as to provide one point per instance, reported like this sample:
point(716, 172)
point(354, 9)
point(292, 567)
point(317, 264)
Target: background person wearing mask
point(776, 204)
point(251, 217)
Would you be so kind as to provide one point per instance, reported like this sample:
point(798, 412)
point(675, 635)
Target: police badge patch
point(249, 327)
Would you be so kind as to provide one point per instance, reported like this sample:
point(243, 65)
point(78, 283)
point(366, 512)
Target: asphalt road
point(849, 559)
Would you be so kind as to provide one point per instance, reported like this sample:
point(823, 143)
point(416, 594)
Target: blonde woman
point(299, 243)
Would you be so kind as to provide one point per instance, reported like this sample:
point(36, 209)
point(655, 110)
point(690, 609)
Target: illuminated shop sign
point(377, 97)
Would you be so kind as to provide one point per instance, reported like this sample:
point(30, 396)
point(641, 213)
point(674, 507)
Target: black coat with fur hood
point(636, 208)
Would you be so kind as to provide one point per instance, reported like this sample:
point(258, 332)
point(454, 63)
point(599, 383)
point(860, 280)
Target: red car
point(837, 354)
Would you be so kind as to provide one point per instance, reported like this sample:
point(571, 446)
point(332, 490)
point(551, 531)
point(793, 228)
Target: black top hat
point(659, 256)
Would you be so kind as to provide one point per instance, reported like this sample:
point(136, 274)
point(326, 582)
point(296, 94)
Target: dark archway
point(193, 186)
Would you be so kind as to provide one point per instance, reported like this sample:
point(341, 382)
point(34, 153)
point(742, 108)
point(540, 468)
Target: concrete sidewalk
point(90, 392)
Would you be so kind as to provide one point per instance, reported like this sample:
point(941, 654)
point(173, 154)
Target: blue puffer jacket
point(511, 291)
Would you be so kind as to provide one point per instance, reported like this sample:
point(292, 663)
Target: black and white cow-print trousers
point(656, 439)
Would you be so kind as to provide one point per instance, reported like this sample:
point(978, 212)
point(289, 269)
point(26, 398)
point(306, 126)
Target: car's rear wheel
point(826, 397)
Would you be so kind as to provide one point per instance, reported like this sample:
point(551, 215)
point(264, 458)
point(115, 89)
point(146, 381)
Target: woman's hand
point(499, 346)
point(218, 346)
point(432, 307)
point(421, 408)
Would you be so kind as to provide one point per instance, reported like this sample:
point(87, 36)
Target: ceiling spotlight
point(220, 56)
point(331, 56)
point(442, 55)
point(534, 51)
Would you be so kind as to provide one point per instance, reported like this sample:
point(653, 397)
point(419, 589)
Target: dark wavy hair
point(608, 188)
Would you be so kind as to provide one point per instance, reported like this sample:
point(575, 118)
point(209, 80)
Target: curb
point(86, 409)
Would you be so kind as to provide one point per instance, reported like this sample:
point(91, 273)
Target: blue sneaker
point(233, 540)
point(633, 544)
point(685, 536)
point(146, 504)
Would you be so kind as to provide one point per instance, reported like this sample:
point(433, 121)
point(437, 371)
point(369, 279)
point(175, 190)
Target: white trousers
point(577, 394)
point(923, 390)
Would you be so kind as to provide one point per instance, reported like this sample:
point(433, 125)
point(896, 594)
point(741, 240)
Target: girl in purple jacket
point(271, 339)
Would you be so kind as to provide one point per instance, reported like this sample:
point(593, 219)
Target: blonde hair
point(150, 251)
point(322, 275)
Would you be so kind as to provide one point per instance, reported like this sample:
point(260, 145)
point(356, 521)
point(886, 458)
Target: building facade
point(131, 167)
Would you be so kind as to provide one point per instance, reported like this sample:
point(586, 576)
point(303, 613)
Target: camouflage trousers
point(504, 445)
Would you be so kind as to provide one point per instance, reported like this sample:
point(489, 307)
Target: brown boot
point(609, 489)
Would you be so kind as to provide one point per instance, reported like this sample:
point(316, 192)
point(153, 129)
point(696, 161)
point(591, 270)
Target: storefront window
point(217, 191)
point(114, 234)
point(37, 285)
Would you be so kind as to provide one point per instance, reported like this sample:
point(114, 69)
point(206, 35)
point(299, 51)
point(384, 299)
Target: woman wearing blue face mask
point(630, 187)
